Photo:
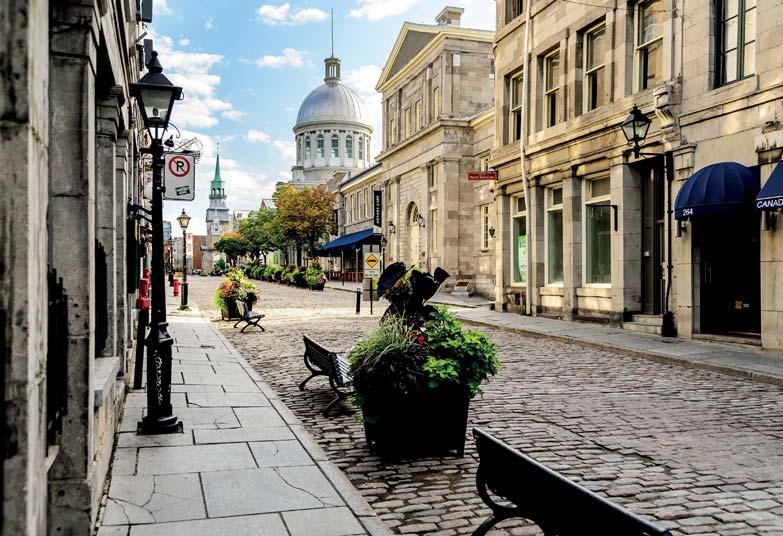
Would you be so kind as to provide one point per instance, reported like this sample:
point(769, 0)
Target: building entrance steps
point(243, 466)
point(762, 366)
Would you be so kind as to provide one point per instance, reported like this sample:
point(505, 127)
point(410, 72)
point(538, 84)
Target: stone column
point(72, 66)
point(449, 214)
point(124, 316)
point(503, 254)
point(536, 248)
point(626, 242)
point(684, 300)
point(572, 244)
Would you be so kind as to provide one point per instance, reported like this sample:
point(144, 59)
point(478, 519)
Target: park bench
point(248, 316)
point(554, 503)
point(322, 362)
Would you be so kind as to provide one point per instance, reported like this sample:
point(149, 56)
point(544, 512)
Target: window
point(594, 87)
point(392, 132)
point(354, 208)
point(736, 39)
point(515, 94)
point(436, 102)
point(407, 122)
point(299, 149)
point(335, 146)
point(361, 146)
point(484, 211)
point(433, 175)
point(360, 203)
point(367, 203)
point(319, 147)
point(349, 146)
point(417, 117)
point(649, 43)
point(433, 231)
point(598, 215)
point(519, 228)
point(551, 87)
point(554, 236)
point(484, 163)
point(350, 208)
point(514, 8)
point(308, 149)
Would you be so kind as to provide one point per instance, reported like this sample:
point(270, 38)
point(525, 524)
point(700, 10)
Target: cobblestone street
point(697, 451)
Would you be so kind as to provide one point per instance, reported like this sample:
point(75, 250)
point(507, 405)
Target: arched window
point(349, 146)
point(361, 147)
point(335, 146)
point(308, 149)
point(299, 149)
point(319, 146)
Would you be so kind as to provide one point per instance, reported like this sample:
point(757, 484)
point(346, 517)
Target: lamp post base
point(151, 425)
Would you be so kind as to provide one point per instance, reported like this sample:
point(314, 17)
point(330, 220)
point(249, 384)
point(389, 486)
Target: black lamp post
point(155, 96)
point(635, 128)
point(184, 220)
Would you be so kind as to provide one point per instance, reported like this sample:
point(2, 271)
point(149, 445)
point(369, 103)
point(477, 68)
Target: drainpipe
point(668, 328)
point(523, 166)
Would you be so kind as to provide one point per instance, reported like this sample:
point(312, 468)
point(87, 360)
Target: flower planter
point(433, 422)
point(318, 286)
point(231, 311)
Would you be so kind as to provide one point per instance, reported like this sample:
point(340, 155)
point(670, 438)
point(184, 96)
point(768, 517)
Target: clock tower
point(218, 218)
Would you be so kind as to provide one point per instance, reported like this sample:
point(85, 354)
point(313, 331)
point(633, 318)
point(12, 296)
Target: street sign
point(372, 263)
point(377, 213)
point(179, 177)
point(482, 175)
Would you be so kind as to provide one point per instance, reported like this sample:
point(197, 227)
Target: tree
point(257, 233)
point(304, 216)
point(233, 245)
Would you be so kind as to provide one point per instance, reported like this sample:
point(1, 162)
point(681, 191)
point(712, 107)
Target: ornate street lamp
point(635, 128)
point(184, 220)
point(155, 96)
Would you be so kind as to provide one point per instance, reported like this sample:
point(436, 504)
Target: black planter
point(431, 423)
point(318, 286)
point(231, 312)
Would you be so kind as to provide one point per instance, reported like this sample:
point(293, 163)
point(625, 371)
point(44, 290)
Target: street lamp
point(184, 220)
point(635, 128)
point(155, 96)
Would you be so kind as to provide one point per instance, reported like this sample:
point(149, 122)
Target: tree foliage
point(233, 245)
point(304, 217)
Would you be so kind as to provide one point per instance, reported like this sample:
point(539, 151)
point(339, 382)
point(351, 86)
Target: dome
point(333, 102)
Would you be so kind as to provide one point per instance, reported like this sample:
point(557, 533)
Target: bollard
point(143, 306)
point(183, 304)
point(358, 301)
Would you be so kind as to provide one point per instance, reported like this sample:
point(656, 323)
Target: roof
point(332, 101)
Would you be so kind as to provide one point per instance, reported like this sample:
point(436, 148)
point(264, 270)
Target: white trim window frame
point(335, 149)
point(648, 41)
point(484, 217)
point(594, 85)
point(551, 87)
point(735, 37)
point(515, 94)
point(308, 148)
point(349, 147)
point(519, 213)
point(319, 146)
point(596, 193)
point(554, 204)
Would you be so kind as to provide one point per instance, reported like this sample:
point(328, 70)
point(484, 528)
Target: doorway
point(728, 248)
point(653, 237)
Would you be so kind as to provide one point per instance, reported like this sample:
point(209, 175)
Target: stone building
point(69, 149)
point(218, 219)
point(437, 88)
point(586, 229)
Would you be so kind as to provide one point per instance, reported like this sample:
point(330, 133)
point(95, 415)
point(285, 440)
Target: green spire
point(217, 189)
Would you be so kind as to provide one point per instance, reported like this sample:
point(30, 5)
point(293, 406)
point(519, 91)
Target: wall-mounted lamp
point(491, 232)
point(680, 228)
point(635, 128)
point(768, 220)
point(420, 220)
point(392, 228)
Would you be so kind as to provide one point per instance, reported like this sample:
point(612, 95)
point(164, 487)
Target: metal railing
point(56, 358)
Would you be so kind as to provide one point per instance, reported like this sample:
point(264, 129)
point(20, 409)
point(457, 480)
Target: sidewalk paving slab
point(244, 464)
point(762, 366)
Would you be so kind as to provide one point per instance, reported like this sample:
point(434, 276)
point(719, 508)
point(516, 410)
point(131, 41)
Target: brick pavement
point(697, 451)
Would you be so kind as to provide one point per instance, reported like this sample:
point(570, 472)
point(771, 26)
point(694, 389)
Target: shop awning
point(771, 195)
point(347, 242)
point(717, 189)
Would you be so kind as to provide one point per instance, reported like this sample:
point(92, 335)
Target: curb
point(727, 370)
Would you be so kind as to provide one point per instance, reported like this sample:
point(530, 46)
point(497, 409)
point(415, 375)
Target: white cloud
point(289, 57)
point(183, 42)
point(272, 15)
point(287, 149)
point(374, 10)
point(257, 136)
point(161, 7)
point(363, 80)
point(209, 23)
point(234, 115)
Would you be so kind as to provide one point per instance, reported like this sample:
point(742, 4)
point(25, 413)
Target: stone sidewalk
point(736, 361)
point(243, 466)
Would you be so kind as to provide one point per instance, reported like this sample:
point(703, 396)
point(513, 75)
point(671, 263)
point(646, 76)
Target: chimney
point(450, 16)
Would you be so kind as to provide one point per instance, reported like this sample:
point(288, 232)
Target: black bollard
point(358, 301)
point(141, 331)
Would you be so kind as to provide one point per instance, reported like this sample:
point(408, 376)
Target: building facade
point(69, 146)
point(586, 228)
point(218, 220)
point(438, 95)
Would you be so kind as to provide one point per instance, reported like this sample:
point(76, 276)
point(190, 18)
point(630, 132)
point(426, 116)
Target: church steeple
point(217, 188)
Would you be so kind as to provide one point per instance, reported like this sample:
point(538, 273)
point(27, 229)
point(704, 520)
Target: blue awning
point(771, 195)
point(717, 189)
point(347, 242)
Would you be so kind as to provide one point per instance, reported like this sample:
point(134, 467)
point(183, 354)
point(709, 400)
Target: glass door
point(653, 236)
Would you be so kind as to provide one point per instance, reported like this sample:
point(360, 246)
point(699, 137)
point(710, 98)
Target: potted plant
point(315, 277)
point(415, 374)
point(234, 287)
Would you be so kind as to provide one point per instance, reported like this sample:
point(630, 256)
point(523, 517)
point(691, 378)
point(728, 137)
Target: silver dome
point(332, 102)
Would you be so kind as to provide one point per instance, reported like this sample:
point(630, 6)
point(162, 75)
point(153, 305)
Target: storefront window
point(519, 245)
point(598, 216)
point(484, 209)
point(554, 232)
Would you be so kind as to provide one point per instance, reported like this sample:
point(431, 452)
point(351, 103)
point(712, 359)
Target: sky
point(246, 66)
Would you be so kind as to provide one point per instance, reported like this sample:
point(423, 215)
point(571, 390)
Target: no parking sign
point(179, 177)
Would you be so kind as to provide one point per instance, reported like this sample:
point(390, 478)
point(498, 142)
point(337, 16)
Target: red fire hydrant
point(176, 287)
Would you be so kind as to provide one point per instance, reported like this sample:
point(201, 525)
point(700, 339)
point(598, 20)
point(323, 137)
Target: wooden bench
point(554, 503)
point(249, 317)
point(322, 362)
